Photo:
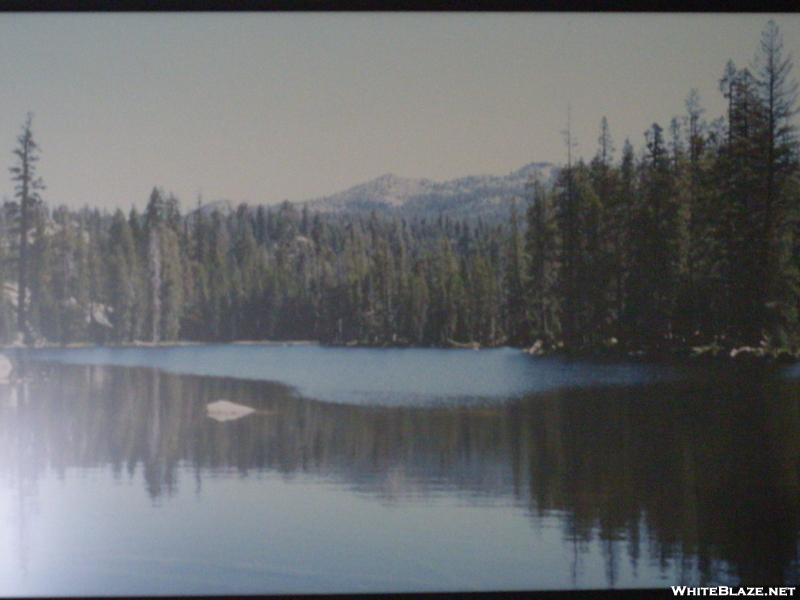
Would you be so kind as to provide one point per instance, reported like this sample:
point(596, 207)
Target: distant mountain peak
point(473, 194)
point(387, 178)
point(490, 196)
point(388, 189)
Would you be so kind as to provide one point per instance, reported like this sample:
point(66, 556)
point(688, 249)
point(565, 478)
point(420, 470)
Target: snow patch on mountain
point(387, 189)
point(465, 195)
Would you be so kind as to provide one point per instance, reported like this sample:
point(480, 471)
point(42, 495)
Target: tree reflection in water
point(702, 472)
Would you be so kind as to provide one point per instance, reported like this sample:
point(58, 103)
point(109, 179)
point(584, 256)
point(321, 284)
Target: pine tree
point(154, 219)
point(172, 285)
point(655, 245)
point(123, 273)
point(607, 268)
point(777, 93)
point(542, 243)
point(42, 304)
point(515, 313)
point(27, 190)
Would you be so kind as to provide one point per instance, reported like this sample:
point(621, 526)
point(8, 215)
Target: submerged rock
point(225, 410)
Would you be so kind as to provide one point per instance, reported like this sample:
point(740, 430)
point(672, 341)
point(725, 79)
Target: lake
point(403, 470)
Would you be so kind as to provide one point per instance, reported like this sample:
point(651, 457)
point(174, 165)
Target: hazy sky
point(262, 107)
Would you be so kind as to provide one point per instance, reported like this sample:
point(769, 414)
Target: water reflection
point(701, 473)
point(23, 477)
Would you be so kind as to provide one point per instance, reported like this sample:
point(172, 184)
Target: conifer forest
point(691, 240)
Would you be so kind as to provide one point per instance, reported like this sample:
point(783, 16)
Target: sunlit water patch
point(368, 375)
point(100, 535)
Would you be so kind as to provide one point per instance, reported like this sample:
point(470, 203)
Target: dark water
point(517, 474)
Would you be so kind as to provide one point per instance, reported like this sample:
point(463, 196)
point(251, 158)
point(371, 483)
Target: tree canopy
point(693, 241)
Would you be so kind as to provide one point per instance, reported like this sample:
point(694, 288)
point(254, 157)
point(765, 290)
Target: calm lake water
point(367, 470)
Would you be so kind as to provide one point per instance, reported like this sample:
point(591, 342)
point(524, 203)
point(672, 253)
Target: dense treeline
point(253, 274)
point(694, 240)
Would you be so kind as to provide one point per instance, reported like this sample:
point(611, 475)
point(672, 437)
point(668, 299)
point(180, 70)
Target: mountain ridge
point(471, 195)
point(487, 196)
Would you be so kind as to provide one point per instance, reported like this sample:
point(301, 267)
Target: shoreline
point(172, 344)
point(691, 355)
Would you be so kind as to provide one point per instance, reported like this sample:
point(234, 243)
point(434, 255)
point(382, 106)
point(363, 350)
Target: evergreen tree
point(154, 218)
point(516, 315)
point(124, 279)
point(542, 242)
point(655, 245)
point(27, 190)
point(777, 94)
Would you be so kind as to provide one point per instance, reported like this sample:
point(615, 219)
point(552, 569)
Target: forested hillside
point(691, 241)
point(278, 273)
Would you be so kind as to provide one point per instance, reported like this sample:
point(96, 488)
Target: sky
point(265, 107)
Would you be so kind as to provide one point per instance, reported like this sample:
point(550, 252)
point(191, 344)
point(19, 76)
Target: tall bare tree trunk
point(155, 282)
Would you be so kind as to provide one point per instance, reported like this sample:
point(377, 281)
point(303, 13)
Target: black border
point(559, 6)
